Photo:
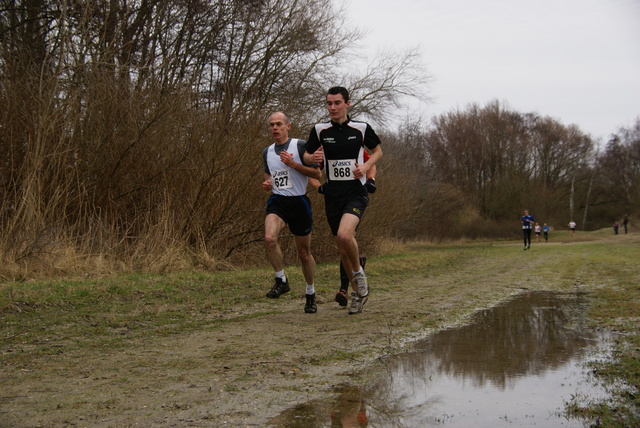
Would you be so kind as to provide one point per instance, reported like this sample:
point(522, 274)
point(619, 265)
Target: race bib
point(341, 170)
point(281, 179)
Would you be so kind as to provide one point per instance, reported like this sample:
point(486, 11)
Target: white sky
point(577, 61)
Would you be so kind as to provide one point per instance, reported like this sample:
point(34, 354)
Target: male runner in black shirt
point(340, 144)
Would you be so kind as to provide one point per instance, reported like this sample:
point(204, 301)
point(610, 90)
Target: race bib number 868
point(341, 170)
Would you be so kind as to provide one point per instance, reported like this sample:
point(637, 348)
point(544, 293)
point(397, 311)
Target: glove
point(371, 185)
point(321, 189)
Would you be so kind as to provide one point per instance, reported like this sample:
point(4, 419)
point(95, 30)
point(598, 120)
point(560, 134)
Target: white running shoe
point(362, 286)
point(356, 303)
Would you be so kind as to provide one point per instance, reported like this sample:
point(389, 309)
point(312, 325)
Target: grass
point(615, 306)
point(38, 317)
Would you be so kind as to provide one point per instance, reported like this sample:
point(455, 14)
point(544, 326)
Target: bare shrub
point(131, 131)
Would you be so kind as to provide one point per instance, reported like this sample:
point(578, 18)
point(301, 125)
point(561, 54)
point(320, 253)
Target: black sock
point(363, 261)
point(344, 279)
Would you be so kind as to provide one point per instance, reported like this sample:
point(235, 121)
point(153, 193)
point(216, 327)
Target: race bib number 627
point(341, 170)
point(281, 179)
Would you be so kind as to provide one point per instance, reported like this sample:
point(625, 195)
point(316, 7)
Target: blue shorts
point(295, 211)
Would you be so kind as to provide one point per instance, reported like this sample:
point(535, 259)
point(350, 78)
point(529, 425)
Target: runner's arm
point(266, 183)
point(309, 171)
point(362, 170)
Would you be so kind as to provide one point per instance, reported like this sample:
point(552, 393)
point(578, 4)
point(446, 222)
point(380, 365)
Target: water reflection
point(524, 336)
point(514, 365)
point(346, 411)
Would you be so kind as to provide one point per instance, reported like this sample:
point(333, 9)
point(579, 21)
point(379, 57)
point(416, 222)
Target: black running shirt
point(343, 147)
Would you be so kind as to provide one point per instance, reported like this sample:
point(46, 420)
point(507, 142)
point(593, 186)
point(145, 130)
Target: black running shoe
point(341, 298)
point(310, 307)
point(278, 289)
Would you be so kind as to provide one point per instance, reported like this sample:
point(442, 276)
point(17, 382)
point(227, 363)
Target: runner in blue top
point(527, 225)
point(545, 232)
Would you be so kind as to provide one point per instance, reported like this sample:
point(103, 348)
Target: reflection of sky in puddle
point(526, 400)
point(514, 365)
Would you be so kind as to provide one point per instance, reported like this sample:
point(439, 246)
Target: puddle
point(514, 365)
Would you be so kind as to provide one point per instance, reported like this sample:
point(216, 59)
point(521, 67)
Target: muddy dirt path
point(263, 358)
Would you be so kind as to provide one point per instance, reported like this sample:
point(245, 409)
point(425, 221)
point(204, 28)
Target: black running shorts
point(295, 211)
point(336, 208)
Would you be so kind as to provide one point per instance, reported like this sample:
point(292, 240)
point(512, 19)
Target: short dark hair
point(339, 90)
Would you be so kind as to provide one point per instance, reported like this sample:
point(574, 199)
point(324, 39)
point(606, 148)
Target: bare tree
point(134, 127)
point(502, 160)
point(618, 183)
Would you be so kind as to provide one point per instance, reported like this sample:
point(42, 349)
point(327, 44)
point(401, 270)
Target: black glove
point(371, 185)
point(321, 189)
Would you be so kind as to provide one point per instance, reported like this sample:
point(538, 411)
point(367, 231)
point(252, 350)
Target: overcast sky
point(577, 61)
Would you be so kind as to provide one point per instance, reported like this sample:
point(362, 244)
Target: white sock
point(360, 271)
point(311, 289)
point(281, 275)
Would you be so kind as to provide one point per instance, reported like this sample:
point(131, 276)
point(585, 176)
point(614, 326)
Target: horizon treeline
point(131, 134)
point(474, 171)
